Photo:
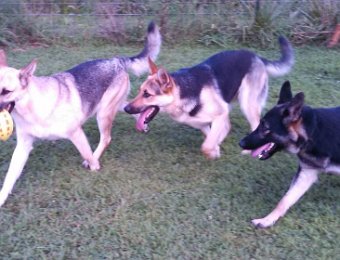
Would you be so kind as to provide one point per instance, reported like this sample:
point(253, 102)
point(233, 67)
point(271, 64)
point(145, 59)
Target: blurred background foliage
point(207, 22)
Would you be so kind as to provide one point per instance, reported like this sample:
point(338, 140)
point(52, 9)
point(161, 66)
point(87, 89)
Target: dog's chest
point(201, 111)
point(55, 127)
point(322, 163)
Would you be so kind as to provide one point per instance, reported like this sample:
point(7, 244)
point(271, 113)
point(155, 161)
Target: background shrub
point(206, 22)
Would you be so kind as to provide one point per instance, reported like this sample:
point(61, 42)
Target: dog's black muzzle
point(131, 109)
point(242, 144)
point(250, 142)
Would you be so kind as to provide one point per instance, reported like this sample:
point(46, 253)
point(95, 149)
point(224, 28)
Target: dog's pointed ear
point(285, 93)
point(27, 72)
point(292, 112)
point(152, 66)
point(3, 59)
point(164, 78)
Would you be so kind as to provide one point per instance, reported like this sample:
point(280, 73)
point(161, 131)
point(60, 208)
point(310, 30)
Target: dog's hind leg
point(105, 126)
point(18, 161)
point(303, 180)
point(80, 141)
point(110, 105)
point(252, 96)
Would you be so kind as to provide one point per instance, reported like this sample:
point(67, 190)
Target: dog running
point(200, 96)
point(55, 107)
point(310, 133)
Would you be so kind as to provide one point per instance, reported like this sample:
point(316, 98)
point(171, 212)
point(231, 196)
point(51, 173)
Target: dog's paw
point(93, 167)
point(212, 154)
point(246, 152)
point(2, 200)
point(263, 222)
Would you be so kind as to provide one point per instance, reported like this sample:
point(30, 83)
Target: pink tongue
point(259, 150)
point(140, 126)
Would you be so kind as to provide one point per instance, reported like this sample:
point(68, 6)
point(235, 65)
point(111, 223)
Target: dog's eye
point(267, 131)
point(265, 128)
point(146, 94)
point(5, 92)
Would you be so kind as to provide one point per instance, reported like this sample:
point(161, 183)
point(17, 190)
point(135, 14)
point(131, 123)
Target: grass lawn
point(156, 196)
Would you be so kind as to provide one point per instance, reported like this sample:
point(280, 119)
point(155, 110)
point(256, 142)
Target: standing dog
point(56, 106)
point(200, 96)
point(311, 134)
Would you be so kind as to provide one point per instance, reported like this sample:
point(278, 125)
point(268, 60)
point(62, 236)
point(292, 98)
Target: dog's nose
point(128, 109)
point(131, 109)
point(242, 143)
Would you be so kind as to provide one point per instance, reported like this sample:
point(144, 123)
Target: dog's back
point(226, 71)
point(322, 126)
point(93, 77)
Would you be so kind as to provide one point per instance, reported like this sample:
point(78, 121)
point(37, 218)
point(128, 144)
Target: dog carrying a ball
point(6, 125)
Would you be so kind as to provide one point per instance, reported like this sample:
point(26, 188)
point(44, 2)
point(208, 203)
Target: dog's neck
point(310, 153)
point(34, 98)
point(181, 103)
point(179, 107)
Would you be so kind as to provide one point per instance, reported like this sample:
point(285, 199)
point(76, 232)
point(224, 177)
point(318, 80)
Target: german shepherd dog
point(200, 96)
point(312, 134)
point(56, 106)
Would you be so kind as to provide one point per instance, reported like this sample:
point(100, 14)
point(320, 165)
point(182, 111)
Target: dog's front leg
point(78, 138)
point(220, 128)
point(302, 181)
point(18, 161)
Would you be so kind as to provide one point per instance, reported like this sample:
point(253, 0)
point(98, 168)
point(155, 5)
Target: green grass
point(156, 196)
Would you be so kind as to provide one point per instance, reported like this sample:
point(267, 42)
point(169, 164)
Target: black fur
point(146, 50)
point(195, 110)
point(310, 133)
point(319, 147)
point(93, 80)
point(228, 69)
point(286, 51)
point(323, 127)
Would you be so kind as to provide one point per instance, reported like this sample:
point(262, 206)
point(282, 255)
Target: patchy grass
point(156, 196)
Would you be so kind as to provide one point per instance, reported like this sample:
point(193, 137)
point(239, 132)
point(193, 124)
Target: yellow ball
point(6, 125)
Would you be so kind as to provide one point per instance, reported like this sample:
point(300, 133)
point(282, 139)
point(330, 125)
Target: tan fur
point(47, 110)
point(305, 180)
point(56, 106)
point(297, 130)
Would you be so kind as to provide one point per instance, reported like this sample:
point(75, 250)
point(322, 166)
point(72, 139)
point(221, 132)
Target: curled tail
point(285, 63)
point(139, 64)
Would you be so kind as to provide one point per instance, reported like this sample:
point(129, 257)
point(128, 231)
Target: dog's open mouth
point(145, 117)
point(7, 106)
point(265, 151)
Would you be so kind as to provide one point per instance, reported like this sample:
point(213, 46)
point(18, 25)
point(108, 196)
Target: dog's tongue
point(141, 126)
point(144, 118)
point(258, 151)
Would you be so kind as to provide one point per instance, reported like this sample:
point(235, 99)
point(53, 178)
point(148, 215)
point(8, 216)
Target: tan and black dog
point(200, 96)
point(310, 133)
point(56, 106)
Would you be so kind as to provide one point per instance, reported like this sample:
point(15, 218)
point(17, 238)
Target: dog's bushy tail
point(285, 63)
point(139, 64)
